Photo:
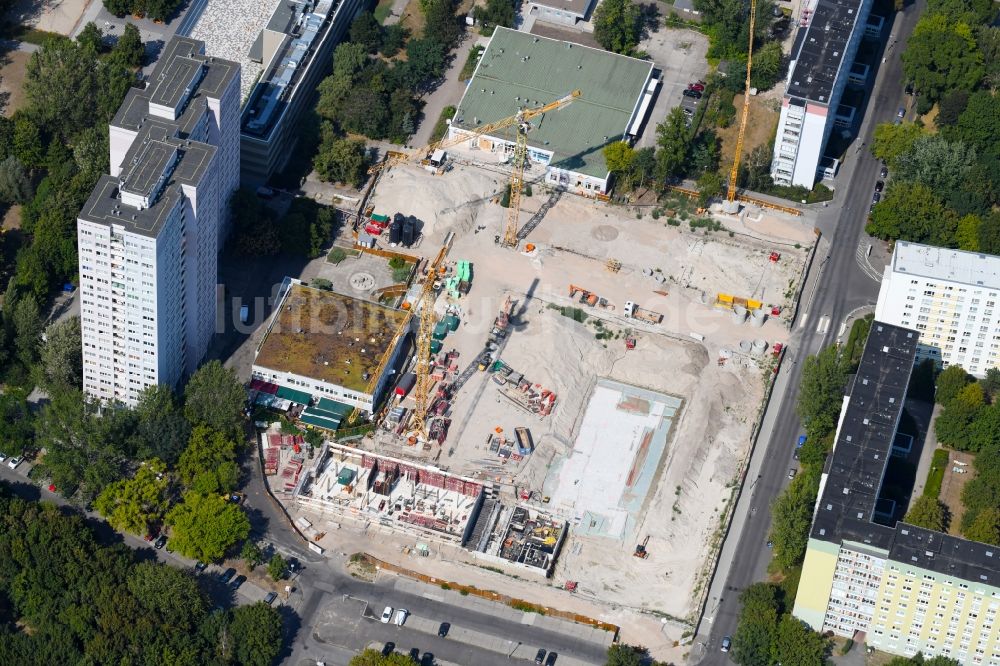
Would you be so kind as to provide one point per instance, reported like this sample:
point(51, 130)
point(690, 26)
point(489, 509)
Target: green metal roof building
point(519, 70)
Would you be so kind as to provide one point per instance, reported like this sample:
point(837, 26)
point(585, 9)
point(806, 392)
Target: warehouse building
point(896, 587)
point(561, 12)
point(949, 297)
point(321, 346)
point(828, 37)
point(518, 70)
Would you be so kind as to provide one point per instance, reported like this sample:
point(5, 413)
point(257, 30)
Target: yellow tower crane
point(522, 116)
point(735, 172)
point(425, 305)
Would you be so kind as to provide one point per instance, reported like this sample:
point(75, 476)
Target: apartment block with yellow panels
point(899, 588)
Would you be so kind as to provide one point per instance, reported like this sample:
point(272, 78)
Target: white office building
point(829, 33)
point(950, 297)
point(148, 236)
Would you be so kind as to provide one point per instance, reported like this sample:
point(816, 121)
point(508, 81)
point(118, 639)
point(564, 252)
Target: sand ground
point(59, 16)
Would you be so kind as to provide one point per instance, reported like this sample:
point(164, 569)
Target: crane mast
point(735, 171)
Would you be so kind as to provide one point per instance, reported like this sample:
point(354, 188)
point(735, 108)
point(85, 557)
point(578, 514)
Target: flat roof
point(975, 269)
point(146, 158)
point(856, 469)
point(520, 70)
point(818, 50)
point(328, 337)
point(173, 72)
point(229, 29)
point(578, 7)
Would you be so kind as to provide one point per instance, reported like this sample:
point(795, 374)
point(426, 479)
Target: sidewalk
point(449, 93)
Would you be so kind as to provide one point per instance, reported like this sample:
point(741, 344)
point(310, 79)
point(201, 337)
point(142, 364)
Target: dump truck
point(525, 445)
point(633, 311)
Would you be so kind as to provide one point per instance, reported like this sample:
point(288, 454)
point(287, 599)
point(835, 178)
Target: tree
point(130, 46)
point(821, 392)
point(985, 527)
point(170, 594)
point(709, 186)
point(756, 627)
point(204, 527)
point(768, 66)
point(393, 39)
point(621, 654)
point(970, 12)
point(950, 108)
point(16, 423)
point(967, 233)
point(928, 512)
point(425, 62)
point(59, 77)
point(277, 567)
point(952, 425)
point(162, 429)
point(988, 38)
point(372, 657)
point(133, 505)
point(933, 161)
point(341, 160)
point(618, 25)
point(90, 151)
point(672, 144)
point(15, 184)
point(114, 77)
point(795, 643)
point(91, 38)
point(495, 13)
point(215, 397)
point(911, 211)
point(950, 382)
point(256, 634)
point(942, 56)
point(441, 22)
point(792, 516)
point(618, 157)
point(890, 141)
point(27, 141)
point(27, 324)
point(643, 166)
point(979, 124)
point(62, 355)
point(365, 30)
point(705, 152)
point(208, 464)
point(251, 554)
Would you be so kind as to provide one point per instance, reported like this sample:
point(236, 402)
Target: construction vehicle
point(629, 342)
point(522, 121)
point(640, 549)
point(735, 171)
point(633, 311)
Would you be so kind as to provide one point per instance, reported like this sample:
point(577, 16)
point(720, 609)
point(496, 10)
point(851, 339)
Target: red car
point(696, 86)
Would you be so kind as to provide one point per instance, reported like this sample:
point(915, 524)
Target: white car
point(2, 457)
point(14, 462)
point(401, 616)
point(387, 615)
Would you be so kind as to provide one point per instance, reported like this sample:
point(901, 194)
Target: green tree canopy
point(935, 162)
point(340, 160)
point(913, 212)
point(672, 139)
point(16, 423)
point(204, 527)
point(277, 567)
point(791, 517)
point(757, 626)
point(928, 512)
point(215, 397)
point(208, 464)
point(372, 657)
point(256, 634)
point(162, 429)
point(821, 391)
point(942, 56)
point(797, 644)
point(618, 25)
point(133, 505)
point(950, 382)
point(890, 141)
point(62, 355)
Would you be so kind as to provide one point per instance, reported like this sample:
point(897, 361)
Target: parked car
point(401, 616)
point(443, 629)
point(700, 87)
point(909, 89)
point(879, 185)
point(269, 599)
point(14, 462)
point(227, 575)
point(388, 649)
point(901, 113)
point(200, 566)
point(884, 172)
point(792, 472)
point(876, 197)
point(239, 580)
point(386, 615)
point(540, 656)
point(427, 659)
point(727, 643)
point(2, 457)
point(692, 93)
point(415, 654)
point(160, 542)
point(688, 111)
point(551, 659)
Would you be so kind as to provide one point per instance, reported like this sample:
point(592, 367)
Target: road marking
point(861, 258)
point(802, 321)
point(824, 325)
point(843, 327)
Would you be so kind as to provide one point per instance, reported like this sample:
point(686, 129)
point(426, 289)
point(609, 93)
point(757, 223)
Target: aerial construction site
point(579, 382)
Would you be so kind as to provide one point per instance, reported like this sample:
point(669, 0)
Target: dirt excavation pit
point(640, 442)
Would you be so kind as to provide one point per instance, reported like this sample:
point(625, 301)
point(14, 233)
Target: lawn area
point(760, 129)
point(12, 81)
point(469, 68)
point(936, 474)
point(441, 127)
point(382, 10)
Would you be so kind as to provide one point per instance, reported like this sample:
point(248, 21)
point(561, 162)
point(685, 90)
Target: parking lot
point(680, 57)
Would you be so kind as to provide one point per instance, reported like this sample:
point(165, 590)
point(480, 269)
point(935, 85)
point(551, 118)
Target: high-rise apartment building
point(148, 236)
point(871, 577)
point(950, 298)
point(821, 67)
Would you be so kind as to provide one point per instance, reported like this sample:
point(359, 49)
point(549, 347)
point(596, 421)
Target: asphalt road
point(843, 288)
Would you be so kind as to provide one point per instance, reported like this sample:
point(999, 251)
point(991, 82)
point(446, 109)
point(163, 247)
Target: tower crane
point(522, 116)
point(735, 172)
